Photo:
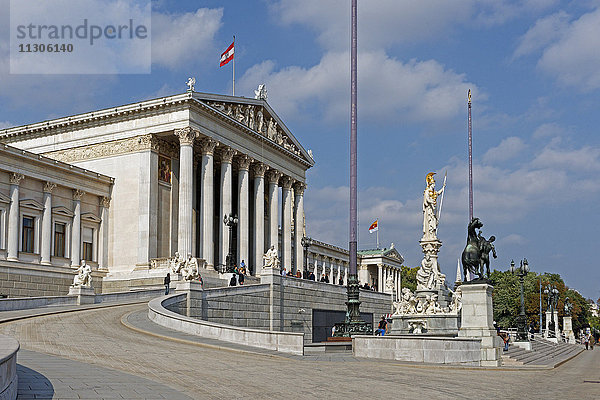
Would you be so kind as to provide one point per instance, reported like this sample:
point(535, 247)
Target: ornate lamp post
point(552, 294)
point(306, 243)
point(231, 221)
point(521, 272)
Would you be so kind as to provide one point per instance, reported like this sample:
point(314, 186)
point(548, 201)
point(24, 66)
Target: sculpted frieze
point(257, 119)
point(115, 147)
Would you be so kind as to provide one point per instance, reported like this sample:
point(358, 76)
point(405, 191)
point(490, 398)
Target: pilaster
point(46, 241)
point(76, 229)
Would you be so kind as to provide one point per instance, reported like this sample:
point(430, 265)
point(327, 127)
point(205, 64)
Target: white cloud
point(544, 32)
point(570, 48)
point(381, 22)
point(388, 88)
point(550, 129)
point(5, 124)
point(180, 39)
point(507, 149)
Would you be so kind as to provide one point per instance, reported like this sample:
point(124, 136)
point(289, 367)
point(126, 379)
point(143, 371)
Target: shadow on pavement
point(32, 384)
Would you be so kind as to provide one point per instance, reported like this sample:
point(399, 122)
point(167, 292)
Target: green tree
point(408, 277)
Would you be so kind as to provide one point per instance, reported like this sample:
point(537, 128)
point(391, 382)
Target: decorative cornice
point(49, 187)
point(259, 170)
point(227, 154)
point(115, 147)
point(208, 145)
point(78, 194)
point(243, 162)
point(186, 136)
point(286, 182)
point(105, 202)
point(274, 176)
point(299, 188)
point(16, 178)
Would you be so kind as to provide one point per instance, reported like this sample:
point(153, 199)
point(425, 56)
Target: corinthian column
point(259, 215)
point(47, 224)
point(225, 206)
point(286, 222)
point(243, 209)
point(298, 225)
point(274, 208)
point(12, 248)
point(206, 205)
point(76, 229)
point(186, 185)
point(103, 241)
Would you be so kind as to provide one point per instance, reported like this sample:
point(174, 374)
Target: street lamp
point(230, 220)
point(521, 272)
point(552, 292)
point(306, 243)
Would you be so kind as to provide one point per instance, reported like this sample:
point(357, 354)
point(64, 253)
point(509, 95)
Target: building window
point(60, 231)
point(28, 235)
point(88, 244)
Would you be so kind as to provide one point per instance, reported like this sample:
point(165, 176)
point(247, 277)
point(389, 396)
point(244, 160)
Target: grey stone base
point(434, 324)
point(85, 295)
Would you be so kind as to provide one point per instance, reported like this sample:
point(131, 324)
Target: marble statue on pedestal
point(84, 275)
point(271, 259)
point(430, 209)
point(177, 263)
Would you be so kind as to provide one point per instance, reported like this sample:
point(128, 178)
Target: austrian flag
point(374, 227)
point(227, 55)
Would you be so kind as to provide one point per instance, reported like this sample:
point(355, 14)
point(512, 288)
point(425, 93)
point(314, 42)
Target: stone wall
point(31, 280)
point(279, 303)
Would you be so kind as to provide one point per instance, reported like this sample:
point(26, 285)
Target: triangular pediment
point(259, 117)
point(31, 204)
point(61, 210)
point(4, 198)
point(393, 253)
point(90, 217)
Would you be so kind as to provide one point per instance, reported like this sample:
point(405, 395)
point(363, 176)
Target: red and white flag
point(374, 227)
point(227, 55)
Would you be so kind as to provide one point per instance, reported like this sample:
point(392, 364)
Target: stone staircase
point(542, 353)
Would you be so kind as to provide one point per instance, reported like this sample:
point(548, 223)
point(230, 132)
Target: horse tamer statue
point(475, 256)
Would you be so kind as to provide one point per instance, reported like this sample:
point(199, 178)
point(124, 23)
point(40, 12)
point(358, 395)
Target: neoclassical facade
point(375, 266)
point(180, 163)
point(52, 216)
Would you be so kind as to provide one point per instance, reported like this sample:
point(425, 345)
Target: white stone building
point(52, 215)
point(374, 267)
point(179, 163)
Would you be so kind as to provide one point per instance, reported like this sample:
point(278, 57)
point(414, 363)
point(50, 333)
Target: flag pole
point(377, 233)
point(470, 161)
point(234, 65)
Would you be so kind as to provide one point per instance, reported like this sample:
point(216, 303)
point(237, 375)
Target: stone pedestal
point(432, 324)
point(477, 321)
point(188, 287)
point(568, 329)
point(85, 294)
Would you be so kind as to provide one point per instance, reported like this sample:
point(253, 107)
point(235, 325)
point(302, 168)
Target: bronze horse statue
point(471, 255)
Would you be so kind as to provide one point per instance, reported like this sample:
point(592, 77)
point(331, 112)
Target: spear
point(442, 199)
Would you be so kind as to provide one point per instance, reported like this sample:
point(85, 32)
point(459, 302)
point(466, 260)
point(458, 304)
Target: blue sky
point(533, 67)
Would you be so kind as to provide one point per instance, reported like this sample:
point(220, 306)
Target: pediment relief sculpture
point(257, 119)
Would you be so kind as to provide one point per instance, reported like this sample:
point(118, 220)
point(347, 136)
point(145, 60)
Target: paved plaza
point(103, 353)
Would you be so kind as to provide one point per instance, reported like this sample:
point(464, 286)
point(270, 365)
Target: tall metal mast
point(470, 162)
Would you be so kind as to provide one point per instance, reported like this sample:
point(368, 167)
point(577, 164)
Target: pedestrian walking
point(167, 283)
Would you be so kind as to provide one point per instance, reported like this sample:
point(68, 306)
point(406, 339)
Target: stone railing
point(286, 342)
point(8, 368)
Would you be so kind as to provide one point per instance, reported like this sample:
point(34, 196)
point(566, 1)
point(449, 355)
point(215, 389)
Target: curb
point(127, 324)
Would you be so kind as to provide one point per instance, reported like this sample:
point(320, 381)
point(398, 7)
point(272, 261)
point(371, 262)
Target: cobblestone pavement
point(98, 339)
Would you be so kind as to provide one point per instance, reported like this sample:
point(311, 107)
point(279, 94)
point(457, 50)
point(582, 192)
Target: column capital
point(287, 182)
point(380, 265)
point(208, 145)
point(78, 194)
point(49, 187)
point(186, 136)
point(243, 162)
point(274, 176)
point(105, 202)
point(259, 169)
point(16, 178)
point(299, 188)
point(227, 154)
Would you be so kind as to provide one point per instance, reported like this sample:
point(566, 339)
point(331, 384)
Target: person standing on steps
point(167, 283)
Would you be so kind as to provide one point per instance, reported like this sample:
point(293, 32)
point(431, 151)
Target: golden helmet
point(429, 179)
